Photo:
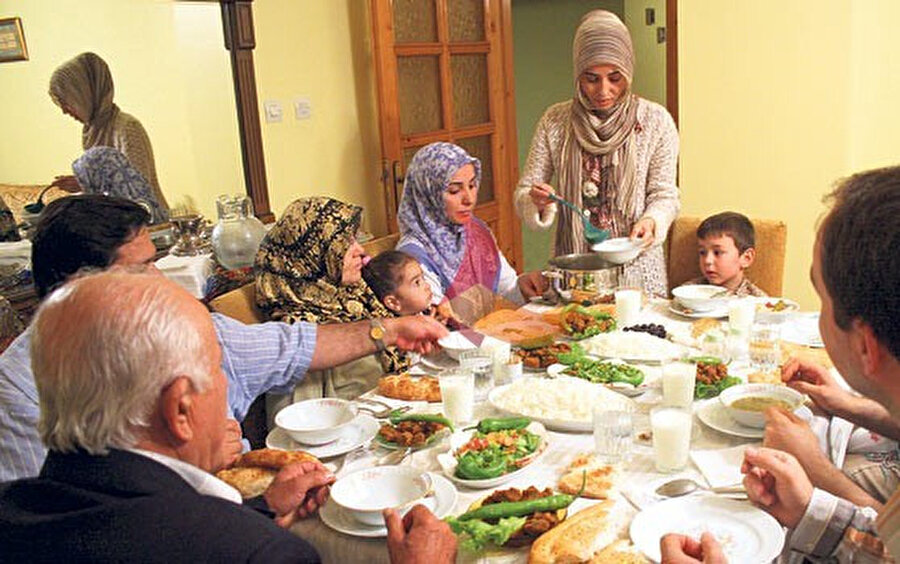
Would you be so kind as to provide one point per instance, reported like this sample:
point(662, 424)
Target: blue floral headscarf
point(422, 217)
point(105, 170)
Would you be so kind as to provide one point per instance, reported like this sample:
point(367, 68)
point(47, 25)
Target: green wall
point(542, 47)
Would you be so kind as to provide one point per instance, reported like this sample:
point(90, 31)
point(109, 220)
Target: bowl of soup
point(747, 403)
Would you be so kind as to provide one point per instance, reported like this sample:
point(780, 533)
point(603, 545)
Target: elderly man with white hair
point(133, 409)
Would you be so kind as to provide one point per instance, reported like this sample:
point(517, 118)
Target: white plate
point(765, 314)
point(803, 329)
point(362, 429)
point(746, 533)
point(608, 398)
point(715, 416)
point(448, 461)
point(439, 360)
point(717, 313)
point(342, 521)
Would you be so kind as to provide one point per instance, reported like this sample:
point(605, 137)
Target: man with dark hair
point(97, 231)
point(856, 272)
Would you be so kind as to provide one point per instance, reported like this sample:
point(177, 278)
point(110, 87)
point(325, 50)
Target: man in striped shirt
point(95, 231)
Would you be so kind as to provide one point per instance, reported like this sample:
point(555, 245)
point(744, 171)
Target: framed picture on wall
point(12, 40)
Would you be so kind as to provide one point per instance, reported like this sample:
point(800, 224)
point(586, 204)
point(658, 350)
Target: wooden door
point(442, 76)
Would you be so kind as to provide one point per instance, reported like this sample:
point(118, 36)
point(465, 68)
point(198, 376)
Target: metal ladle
point(38, 206)
point(593, 234)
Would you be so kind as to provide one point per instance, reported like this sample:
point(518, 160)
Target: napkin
point(721, 467)
point(15, 252)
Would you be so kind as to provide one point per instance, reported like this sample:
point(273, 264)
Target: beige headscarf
point(601, 39)
point(85, 84)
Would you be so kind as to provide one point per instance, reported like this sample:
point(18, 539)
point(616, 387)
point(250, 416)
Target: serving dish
point(458, 440)
point(560, 404)
point(316, 421)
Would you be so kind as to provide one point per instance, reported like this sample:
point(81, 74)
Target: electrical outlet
point(302, 108)
point(649, 16)
point(273, 110)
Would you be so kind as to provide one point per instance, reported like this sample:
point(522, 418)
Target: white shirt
point(204, 482)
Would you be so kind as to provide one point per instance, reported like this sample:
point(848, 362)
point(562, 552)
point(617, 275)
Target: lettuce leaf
point(475, 534)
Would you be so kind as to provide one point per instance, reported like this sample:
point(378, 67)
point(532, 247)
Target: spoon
point(393, 458)
point(593, 234)
point(38, 206)
point(684, 486)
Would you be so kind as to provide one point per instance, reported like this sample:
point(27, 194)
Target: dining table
point(637, 476)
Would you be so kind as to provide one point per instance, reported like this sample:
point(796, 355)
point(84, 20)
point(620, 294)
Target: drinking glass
point(678, 380)
point(612, 435)
point(671, 437)
point(628, 307)
point(481, 364)
point(765, 346)
point(458, 395)
point(741, 312)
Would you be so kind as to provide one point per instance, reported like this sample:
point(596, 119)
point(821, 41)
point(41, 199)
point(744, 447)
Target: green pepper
point(397, 417)
point(704, 360)
point(502, 423)
point(481, 465)
point(518, 508)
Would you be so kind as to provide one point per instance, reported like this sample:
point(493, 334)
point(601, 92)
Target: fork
point(385, 410)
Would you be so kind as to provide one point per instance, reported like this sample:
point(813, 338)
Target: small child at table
point(726, 244)
point(397, 280)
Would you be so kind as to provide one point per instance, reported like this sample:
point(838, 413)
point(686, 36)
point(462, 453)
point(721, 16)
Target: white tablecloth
point(639, 478)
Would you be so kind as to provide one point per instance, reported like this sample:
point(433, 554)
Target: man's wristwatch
point(376, 333)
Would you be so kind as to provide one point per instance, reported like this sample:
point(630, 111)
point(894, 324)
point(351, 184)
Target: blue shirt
point(266, 357)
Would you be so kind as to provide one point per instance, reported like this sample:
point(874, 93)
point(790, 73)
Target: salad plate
point(425, 420)
point(479, 444)
point(342, 521)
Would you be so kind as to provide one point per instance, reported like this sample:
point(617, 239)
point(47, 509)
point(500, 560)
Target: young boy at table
point(726, 244)
point(397, 280)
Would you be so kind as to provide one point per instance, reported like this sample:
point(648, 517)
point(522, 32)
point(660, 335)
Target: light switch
point(274, 111)
point(302, 108)
point(649, 16)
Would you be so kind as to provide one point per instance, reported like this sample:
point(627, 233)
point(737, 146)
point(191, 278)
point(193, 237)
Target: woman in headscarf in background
point(309, 268)
point(83, 89)
point(104, 170)
point(613, 153)
point(438, 227)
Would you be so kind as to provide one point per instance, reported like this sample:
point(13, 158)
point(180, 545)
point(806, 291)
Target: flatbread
point(599, 479)
point(402, 387)
point(251, 482)
point(703, 325)
point(255, 470)
point(619, 552)
point(577, 538)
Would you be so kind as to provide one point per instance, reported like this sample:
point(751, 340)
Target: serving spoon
point(684, 486)
point(593, 234)
point(38, 206)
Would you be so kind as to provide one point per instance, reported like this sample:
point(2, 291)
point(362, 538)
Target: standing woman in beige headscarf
point(83, 88)
point(612, 153)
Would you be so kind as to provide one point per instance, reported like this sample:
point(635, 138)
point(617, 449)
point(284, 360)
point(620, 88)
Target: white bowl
point(619, 250)
point(455, 343)
point(316, 421)
point(697, 296)
point(757, 419)
point(366, 493)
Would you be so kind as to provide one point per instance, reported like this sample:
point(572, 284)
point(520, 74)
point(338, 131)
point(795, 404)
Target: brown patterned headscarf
point(85, 84)
point(299, 267)
point(601, 39)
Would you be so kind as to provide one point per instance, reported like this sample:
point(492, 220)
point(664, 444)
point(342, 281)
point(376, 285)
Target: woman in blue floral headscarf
point(456, 250)
point(105, 170)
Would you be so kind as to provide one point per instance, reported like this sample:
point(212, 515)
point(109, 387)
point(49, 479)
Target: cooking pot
point(580, 276)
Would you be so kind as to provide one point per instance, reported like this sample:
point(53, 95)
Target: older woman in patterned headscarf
point(456, 250)
point(309, 268)
point(104, 170)
point(83, 89)
point(613, 153)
